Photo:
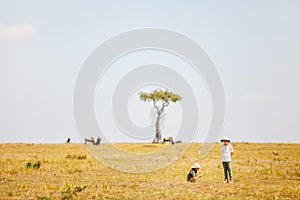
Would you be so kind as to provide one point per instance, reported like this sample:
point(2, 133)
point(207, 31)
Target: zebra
point(91, 140)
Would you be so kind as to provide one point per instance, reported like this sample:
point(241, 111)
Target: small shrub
point(10, 193)
point(69, 156)
point(79, 157)
point(75, 171)
point(79, 189)
point(43, 198)
point(28, 164)
point(68, 192)
point(35, 165)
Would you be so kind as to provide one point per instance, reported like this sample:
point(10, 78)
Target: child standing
point(227, 153)
point(192, 175)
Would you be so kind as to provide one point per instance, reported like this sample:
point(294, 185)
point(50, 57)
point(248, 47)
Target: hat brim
point(196, 166)
point(225, 140)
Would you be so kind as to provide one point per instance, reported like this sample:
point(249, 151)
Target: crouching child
point(192, 175)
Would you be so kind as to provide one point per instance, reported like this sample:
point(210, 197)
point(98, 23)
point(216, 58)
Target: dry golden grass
point(67, 171)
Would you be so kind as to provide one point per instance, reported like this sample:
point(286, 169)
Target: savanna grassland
point(67, 171)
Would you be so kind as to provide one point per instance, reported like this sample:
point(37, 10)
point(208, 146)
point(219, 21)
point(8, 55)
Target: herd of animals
point(97, 141)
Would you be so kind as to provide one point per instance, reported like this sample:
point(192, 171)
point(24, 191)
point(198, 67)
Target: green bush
point(28, 164)
point(68, 192)
point(35, 165)
point(43, 198)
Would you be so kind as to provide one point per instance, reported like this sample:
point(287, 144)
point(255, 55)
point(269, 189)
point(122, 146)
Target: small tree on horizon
point(161, 99)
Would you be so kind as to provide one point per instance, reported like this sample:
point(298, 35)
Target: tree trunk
point(159, 112)
point(157, 129)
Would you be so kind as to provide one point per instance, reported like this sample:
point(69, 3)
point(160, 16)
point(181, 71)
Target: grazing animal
point(178, 141)
point(168, 139)
point(98, 141)
point(89, 140)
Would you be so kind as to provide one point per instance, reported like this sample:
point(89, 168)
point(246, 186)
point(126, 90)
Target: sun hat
point(225, 139)
point(196, 165)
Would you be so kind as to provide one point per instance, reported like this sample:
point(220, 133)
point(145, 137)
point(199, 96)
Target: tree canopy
point(160, 95)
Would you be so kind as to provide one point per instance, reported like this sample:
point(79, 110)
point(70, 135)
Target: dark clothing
point(191, 174)
point(227, 170)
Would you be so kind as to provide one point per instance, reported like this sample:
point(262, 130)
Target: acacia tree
point(160, 99)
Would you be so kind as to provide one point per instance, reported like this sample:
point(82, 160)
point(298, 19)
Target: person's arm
point(231, 152)
point(196, 177)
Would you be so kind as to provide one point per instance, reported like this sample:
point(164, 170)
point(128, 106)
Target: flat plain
point(68, 171)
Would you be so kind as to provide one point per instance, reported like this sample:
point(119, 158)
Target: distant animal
point(69, 140)
point(89, 140)
point(168, 139)
point(178, 141)
point(98, 141)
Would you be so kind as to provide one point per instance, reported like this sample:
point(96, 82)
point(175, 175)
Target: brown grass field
point(67, 171)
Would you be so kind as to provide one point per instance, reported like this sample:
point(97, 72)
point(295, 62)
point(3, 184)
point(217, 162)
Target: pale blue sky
point(255, 46)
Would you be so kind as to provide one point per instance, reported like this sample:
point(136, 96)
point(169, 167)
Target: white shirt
point(226, 151)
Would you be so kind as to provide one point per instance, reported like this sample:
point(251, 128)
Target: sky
point(254, 45)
